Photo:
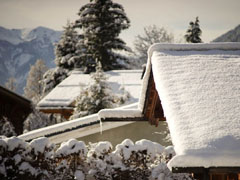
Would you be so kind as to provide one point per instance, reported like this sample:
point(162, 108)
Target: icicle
point(100, 126)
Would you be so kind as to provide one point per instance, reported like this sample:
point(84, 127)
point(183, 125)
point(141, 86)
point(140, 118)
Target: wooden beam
point(202, 170)
point(152, 111)
point(66, 113)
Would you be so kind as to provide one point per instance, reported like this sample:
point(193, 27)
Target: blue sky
point(216, 16)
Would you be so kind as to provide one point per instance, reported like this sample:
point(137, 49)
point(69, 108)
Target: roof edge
point(192, 46)
point(179, 47)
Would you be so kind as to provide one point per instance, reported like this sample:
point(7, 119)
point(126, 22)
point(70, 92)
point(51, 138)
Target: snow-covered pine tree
point(66, 48)
point(94, 97)
point(11, 84)
point(98, 95)
point(152, 34)
point(53, 77)
point(101, 22)
point(34, 87)
point(67, 54)
point(193, 32)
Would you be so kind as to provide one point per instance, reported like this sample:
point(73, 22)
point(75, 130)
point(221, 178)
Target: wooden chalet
point(15, 108)
point(196, 89)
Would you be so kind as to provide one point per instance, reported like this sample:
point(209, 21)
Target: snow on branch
point(40, 159)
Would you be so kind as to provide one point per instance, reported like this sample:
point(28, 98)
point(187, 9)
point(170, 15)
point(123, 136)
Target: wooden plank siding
point(153, 111)
point(212, 173)
point(15, 108)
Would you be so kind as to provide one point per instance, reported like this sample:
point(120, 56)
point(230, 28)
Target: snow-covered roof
point(65, 93)
point(75, 128)
point(199, 88)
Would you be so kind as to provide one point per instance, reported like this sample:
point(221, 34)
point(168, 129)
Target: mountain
point(231, 36)
point(20, 48)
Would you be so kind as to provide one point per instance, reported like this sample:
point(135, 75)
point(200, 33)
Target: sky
point(216, 16)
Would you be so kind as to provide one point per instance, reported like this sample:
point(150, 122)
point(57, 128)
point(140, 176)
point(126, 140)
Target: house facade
point(15, 108)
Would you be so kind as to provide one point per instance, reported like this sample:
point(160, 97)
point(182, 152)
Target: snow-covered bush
point(13, 159)
point(71, 160)
point(40, 159)
point(6, 127)
point(99, 159)
point(137, 158)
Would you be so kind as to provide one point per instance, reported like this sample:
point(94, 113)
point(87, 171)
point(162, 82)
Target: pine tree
point(52, 78)
point(34, 86)
point(101, 22)
point(67, 53)
point(194, 32)
point(66, 48)
point(96, 96)
point(11, 84)
point(152, 34)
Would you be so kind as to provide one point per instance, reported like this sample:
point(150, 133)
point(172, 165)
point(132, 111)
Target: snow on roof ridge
point(180, 47)
point(192, 46)
point(195, 94)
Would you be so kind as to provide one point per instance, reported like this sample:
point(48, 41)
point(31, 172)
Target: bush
point(40, 159)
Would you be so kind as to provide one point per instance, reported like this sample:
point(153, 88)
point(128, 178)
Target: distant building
point(15, 108)
point(196, 88)
point(62, 98)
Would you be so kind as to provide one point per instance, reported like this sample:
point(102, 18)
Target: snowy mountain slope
point(20, 48)
point(231, 36)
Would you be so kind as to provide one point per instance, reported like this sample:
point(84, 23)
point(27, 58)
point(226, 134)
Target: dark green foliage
point(66, 48)
point(67, 55)
point(194, 32)
point(101, 22)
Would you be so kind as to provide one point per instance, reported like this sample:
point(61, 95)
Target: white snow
point(61, 129)
point(199, 87)
point(26, 167)
point(72, 146)
point(67, 91)
point(24, 58)
point(151, 147)
point(14, 142)
point(100, 148)
point(39, 144)
point(3, 144)
point(119, 113)
point(127, 147)
point(79, 175)
point(17, 158)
